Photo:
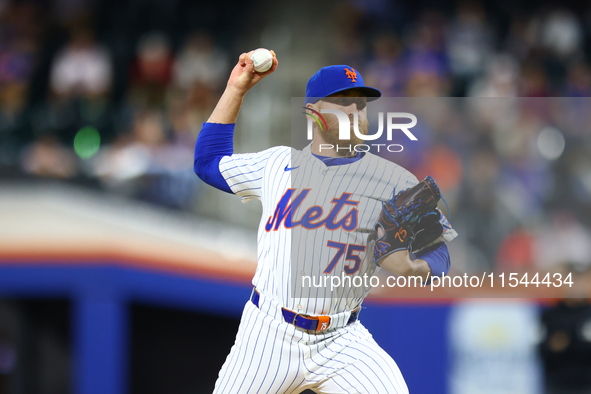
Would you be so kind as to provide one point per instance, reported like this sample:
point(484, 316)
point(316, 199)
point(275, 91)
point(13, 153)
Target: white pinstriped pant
point(271, 356)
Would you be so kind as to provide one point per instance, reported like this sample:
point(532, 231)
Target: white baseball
point(263, 60)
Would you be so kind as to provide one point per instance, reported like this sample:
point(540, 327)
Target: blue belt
point(312, 323)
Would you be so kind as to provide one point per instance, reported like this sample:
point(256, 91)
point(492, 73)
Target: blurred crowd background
point(110, 95)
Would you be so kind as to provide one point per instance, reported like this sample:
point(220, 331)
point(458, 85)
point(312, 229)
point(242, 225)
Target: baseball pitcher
point(326, 212)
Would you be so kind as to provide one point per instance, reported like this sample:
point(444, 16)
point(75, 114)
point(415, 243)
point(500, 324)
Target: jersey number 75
point(351, 250)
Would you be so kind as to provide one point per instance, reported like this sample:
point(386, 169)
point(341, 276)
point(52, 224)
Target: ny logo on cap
point(351, 74)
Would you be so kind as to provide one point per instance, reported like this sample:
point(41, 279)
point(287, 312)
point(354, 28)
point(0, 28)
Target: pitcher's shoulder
point(390, 169)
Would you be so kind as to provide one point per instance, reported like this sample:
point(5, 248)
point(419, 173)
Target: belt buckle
point(322, 322)
point(295, 318)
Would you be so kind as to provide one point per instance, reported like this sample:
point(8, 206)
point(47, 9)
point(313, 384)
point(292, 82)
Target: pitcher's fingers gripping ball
point(262, 59)
point(395, 228)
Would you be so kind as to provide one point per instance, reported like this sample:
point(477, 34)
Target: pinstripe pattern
point(269, 355)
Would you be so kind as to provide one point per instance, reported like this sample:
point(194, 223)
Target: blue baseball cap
point(334, 79)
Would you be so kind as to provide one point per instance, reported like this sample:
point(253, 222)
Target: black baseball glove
point(427, 231)
point(402, 215)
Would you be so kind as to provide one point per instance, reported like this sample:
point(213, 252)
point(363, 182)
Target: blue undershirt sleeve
point(437, 257)
point(213, 143)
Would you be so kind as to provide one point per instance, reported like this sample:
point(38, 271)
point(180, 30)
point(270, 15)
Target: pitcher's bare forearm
point(227, 109)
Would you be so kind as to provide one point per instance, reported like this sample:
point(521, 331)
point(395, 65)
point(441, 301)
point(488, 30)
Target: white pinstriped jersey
point(317, 222)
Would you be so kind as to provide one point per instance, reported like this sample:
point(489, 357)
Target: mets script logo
point(351, 74)
point(314, 217)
